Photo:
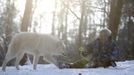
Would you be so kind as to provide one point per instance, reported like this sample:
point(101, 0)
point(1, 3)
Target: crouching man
point(104, 50)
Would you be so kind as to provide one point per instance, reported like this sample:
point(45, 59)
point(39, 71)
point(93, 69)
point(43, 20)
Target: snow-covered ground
point(123, 68)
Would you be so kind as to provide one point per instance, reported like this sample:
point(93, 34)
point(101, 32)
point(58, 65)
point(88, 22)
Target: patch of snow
point(123, 68)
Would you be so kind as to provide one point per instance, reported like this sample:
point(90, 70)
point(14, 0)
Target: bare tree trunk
point(79, 39)
point(53, 24)
point(66, 26)
point(61, 22)
point(26, 21)
point(114, 16)
point(53, 20)
point(104, 14)
point(66, 23)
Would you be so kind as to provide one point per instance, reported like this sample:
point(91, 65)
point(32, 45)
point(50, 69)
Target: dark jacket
point(103, 55)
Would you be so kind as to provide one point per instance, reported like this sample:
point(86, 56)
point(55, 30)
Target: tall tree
point(114, 16)
point(66, 23)
point(26, 21)
point(79, 39)
point(53, 19)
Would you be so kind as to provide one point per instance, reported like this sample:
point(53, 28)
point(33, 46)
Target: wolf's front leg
point(35, 61)
point(18, 59)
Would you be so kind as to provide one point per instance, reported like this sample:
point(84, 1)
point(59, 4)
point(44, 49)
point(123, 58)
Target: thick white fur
point(35, 44)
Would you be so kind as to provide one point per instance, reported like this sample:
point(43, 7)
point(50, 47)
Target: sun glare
point(44, 8)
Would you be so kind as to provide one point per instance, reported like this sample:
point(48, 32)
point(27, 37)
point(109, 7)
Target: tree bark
point(26, 21)
point(53, 19)
point(114, 16)
point(79, 39)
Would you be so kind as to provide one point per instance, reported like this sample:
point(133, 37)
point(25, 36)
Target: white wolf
point(36, 44)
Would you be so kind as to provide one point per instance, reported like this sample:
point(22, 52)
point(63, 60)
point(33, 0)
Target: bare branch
point(70, 10)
